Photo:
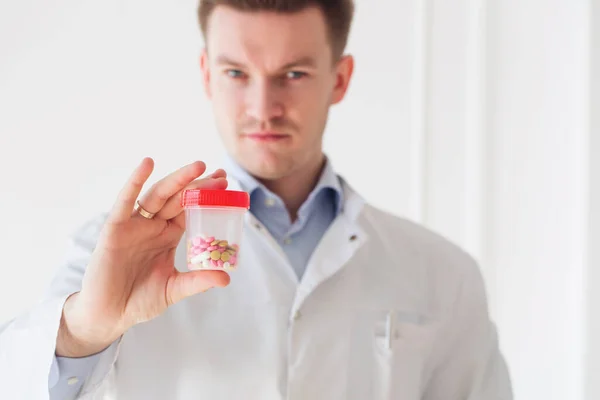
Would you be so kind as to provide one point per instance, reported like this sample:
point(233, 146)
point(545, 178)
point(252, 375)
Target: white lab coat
point(385, 310)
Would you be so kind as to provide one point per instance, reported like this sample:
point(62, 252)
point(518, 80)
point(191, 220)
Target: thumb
point(185, 284)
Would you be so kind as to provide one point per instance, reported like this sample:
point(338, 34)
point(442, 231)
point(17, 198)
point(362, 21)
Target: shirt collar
point(246, 181)
point(327, 180)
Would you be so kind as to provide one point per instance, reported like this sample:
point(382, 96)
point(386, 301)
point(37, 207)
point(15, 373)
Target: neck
point(295, 188)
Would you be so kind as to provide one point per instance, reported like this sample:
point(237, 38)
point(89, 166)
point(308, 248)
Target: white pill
point(197, 259)
point(201, 257)
point(206, 264)
point(226, 265)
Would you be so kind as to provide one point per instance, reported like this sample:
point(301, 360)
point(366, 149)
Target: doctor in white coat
point(332, 299)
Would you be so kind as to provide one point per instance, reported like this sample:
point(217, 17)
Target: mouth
point(266, 136)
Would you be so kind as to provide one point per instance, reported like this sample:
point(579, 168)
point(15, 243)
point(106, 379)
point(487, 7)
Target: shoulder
point(411, 236)
point(422, 261)
point(416, 245)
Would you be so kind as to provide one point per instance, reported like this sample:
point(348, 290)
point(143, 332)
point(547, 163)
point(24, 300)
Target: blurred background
point(478, 118)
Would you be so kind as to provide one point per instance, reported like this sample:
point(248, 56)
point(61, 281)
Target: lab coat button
point(297, 316)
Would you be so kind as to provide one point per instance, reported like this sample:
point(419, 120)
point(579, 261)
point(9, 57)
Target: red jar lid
point(215, 198)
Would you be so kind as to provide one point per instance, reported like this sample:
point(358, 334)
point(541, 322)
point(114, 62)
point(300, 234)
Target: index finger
point(121, 210)
point(158, 195)
point(173, 207)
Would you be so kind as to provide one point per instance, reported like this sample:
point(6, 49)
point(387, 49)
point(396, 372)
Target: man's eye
point(234, 73)
point(295, 75)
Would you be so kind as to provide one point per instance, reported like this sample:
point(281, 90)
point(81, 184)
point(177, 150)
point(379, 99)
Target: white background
point(474, 117)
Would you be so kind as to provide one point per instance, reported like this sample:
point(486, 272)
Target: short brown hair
point(338, 15)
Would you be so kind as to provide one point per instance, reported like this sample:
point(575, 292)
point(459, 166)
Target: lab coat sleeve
point(472, 366)
point(28, 342)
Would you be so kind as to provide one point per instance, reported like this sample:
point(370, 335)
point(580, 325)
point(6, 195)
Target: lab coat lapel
point(337, 247)
point(251, 223)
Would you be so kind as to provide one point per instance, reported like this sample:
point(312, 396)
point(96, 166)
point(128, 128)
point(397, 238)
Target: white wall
point(538, 130)
point(475, 113)
point(593, 273)
point(505, 171)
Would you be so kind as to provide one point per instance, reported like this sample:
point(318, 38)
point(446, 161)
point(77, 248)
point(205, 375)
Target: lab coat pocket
point(401, 346)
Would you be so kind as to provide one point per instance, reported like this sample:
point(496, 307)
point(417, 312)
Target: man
point(333, 299)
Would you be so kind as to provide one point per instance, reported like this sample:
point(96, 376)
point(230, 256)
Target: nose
point(263, 101)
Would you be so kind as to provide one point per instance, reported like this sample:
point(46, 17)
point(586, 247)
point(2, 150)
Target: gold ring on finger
point(142, 211)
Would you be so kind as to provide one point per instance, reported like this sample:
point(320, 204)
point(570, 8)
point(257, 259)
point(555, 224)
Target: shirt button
point(270, 202)
point(287, 241)
point(297, 316)
point(72, 380)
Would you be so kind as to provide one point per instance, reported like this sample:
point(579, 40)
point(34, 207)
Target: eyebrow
point(301, 62)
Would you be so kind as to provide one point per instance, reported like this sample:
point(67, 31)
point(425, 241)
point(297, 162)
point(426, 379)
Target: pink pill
point(209, 239)
point(214, 263)
point(236, 247)
point(197, 241)
point(212, 248)
point(203, 247)
point(233, 260)
point(220, 263)
point(197, 250)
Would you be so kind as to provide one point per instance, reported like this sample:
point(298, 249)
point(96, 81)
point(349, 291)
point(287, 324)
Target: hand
point(131, 277)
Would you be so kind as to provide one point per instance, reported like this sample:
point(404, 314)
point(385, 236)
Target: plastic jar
point(214, 225)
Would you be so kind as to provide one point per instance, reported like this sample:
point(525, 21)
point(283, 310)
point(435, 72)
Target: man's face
point(272, 78)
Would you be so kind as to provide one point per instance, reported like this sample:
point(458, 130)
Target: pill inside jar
point(214, 228)
point(208, 252)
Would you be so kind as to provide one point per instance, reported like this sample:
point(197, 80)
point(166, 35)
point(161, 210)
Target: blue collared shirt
point(298, 240)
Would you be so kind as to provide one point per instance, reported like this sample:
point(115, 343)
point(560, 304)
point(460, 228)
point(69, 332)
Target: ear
point(343, 72)
point(205, 72)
